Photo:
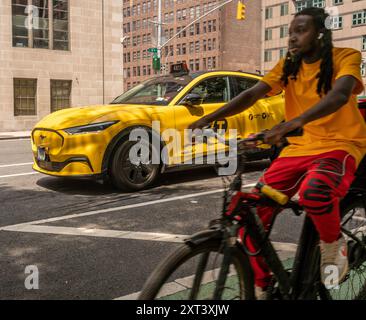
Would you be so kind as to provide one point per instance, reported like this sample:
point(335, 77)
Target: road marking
point(19, 174)
point(131, 206)
point(15, 164)
point(102, 233)
point(120, 234)
point(108, 210)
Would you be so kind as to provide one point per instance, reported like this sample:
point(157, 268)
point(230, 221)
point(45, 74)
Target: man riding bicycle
point(321, 83)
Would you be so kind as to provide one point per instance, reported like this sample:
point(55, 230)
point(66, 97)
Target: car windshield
point(157, 91)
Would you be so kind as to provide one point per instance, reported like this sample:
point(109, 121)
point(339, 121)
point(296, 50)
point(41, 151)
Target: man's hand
point(275, 135)
point(199, 124)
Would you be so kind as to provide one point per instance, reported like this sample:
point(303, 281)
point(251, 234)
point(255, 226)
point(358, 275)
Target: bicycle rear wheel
point(190, 273)
point(354, 220)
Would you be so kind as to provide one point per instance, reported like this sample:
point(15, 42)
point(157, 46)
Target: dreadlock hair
point(292, 63)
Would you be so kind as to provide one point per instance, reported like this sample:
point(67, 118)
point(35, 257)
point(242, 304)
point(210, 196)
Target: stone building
point(56, 54)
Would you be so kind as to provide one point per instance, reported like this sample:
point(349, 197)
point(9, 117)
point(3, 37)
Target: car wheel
point(127, 175)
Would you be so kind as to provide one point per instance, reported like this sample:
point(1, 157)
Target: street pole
point(159, 28)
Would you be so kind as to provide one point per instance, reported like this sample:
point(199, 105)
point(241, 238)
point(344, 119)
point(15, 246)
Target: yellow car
point(96, 141)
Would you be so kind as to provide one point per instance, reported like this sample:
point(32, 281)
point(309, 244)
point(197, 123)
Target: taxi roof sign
point(179, 69)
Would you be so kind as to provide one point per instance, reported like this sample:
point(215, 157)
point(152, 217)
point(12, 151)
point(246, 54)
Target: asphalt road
point(90, 241)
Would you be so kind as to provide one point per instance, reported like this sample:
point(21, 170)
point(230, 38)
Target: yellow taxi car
point(94, 141)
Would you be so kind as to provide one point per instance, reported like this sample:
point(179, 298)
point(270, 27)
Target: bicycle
point(214, 263)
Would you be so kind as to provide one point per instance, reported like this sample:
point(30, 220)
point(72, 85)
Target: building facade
point(56, 54)
point(348, 24)
point(215, 41)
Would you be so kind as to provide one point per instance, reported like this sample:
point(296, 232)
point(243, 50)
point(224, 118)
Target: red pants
point(321, 180)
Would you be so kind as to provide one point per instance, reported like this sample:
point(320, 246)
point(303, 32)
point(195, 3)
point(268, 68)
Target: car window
point(243, 83)
point(159, 91)
point(213, 90)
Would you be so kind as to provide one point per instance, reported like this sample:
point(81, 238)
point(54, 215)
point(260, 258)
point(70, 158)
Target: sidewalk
point(14, 135)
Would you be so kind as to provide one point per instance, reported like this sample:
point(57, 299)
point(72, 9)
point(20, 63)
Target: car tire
point(127, 176)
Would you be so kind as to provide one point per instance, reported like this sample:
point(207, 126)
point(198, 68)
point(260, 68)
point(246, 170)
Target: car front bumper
point(68, 155)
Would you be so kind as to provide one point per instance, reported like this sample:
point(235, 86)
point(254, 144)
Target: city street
point(90, 241)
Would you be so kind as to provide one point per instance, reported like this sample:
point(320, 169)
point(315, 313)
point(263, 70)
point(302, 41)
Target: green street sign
point(152, 50)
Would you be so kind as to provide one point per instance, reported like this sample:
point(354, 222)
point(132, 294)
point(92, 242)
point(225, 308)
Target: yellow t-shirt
point(342, 130)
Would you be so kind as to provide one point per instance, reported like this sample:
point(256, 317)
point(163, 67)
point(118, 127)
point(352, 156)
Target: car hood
point(79, 116)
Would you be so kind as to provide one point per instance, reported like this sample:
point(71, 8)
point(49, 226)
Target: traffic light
point(156, 63)
point(240, 13)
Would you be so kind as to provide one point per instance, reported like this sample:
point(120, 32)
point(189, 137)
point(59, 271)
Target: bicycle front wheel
point(190, 273)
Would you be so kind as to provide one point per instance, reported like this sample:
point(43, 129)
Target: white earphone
point(320, 35)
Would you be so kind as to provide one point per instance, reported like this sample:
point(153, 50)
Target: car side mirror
point(192, 100)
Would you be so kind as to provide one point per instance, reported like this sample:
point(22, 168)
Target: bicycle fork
point(230, 244)
point(255, 230)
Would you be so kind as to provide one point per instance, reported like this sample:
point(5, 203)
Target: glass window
point(213, 90)
point(244, 83)
point(319, 3)
point(33, 23)
point(61, 25)
point(191, 47)
point(359, 18)
point(25, 92)
point(336, 22)
point(363, 69)
point(191, 30)
point(300, 5)
point(364, 43)
point(197, 64)
point(197, 46)
point(268, 34)
point(284, 9)
point(20, 16)
point(269, 12)
point(41, 27)
point(191, 64)
point(284, 31)
point(336, 2)
point(283, 52)
point(60, 94)
point(268, 55)
point(159, 91)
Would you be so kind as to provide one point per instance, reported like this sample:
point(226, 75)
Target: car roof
point(198, 73)
point(193, 75)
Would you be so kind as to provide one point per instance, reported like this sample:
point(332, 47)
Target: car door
point(215, 92)
point(264, 114)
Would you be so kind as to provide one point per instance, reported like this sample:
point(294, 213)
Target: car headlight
point(95, 127)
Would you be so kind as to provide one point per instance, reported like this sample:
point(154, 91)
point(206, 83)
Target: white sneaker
point(260, 293)
point(334, 262)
